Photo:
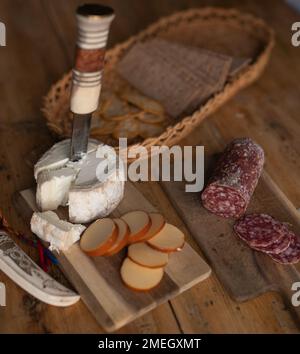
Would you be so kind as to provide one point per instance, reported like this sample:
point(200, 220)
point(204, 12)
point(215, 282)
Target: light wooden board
point(98, 280)
point(244, 272)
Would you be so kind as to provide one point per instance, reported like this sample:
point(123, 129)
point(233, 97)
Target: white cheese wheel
point(140, 278)
point(93, 194)
point(96, 201)
point(89, 193)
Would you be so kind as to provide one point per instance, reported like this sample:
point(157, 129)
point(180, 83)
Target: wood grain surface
point(98, 281)
point(40, 37)
point(243, 272)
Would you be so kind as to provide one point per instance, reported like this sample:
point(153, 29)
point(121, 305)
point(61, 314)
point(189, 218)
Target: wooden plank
point(245, 273)
point(98, 279)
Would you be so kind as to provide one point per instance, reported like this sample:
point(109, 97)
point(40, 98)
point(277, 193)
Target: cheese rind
point(59, 233)
point(96, 202)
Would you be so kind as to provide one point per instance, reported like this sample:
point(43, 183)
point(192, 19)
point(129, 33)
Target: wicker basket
point(222, 30)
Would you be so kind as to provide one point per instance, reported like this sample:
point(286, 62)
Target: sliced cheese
point(122, 239)
point(140, 278)
point(53, 188)
point(157, 223)
point(59, 233)
point(89, 188)
point(99, 237)
point(139, 223)
point(147, 256)
point(169, 239)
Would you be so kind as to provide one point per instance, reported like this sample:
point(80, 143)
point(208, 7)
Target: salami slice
point(232, 184)
point(260, 230)
point(278, 246)
point(292, 254)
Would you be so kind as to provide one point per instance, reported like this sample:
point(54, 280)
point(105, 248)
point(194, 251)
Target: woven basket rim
point(175, 132)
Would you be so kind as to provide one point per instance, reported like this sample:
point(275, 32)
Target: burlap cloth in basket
point(227, 31)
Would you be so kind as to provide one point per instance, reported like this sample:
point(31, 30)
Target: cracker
point(150, 130)
point(102, 127)
point(114, 106)
point(147, 104)
point(151, 118)
point(128, 128)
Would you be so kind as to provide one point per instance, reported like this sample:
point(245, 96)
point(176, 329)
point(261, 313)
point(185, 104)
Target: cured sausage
point(260, 230)
point(265, 234)
point(233, 182)
point(292, 254)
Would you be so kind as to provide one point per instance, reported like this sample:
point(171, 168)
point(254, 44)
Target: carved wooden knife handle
point(93, 22)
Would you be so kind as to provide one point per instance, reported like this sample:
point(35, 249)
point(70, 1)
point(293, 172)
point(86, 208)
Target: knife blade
point(15, 263)
point(93, 23)
point(80, 135)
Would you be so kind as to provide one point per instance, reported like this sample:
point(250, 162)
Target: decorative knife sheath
point(15, 263)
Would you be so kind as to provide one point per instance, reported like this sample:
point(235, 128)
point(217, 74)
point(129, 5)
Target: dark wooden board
point(244, 272)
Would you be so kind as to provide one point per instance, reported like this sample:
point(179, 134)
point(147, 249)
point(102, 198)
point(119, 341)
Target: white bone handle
point(93, 22)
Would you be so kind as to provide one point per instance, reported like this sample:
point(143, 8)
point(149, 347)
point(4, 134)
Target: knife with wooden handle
point(15, 263)
point(93, 22)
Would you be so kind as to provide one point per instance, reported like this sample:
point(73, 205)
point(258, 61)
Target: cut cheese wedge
point(139, 223)
point(53, 187)
point(169, 239)
point(91, 187)
point(122, 239)
point(99, 237)
point(157, 223)
point(147, 256)
point(59, 233)
point(140, 278)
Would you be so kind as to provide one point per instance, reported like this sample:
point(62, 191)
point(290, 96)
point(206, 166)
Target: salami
point(233, 182)
point(265, 234)
point(276, 247)
point(292, 254)
point(260, 231)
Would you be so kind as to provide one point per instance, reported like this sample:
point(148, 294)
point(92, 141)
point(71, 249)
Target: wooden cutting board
point(98, 280)
point(245, 273)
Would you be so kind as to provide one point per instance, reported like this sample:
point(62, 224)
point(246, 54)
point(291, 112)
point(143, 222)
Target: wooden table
point(40, 41)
